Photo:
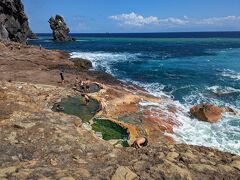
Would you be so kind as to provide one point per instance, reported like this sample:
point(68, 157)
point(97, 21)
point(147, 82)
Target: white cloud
point(173, 21)
point(219, 20)
point(133, 19)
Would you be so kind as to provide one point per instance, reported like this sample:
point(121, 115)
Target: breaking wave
point(231, 74)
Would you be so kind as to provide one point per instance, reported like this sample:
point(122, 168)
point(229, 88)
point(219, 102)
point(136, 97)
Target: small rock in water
point(207, 112)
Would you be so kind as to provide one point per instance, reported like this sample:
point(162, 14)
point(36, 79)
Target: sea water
point(189, 68)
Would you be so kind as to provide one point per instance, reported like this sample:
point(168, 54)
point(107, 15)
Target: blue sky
point(89, 16)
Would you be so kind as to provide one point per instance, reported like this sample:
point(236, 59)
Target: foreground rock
point(37, 143)
point(59, 29)
point(207, 112)
point(14, 22)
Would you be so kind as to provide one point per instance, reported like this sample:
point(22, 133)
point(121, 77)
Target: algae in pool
point(76, 106)
point(110, 130)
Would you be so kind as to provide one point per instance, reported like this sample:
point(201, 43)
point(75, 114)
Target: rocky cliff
point(14, 22)
point(60, 29)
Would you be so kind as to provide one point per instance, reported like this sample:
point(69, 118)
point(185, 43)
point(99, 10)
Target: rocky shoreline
point(39, 143)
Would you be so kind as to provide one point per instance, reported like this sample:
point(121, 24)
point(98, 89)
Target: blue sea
point(189, 68)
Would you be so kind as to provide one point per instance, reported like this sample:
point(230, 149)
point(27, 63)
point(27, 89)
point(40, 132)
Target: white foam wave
point(231, 74)
point(217, 135)
point(222, 135)
point(219, 90)
point(155, 89)
point(81, 40)
point(104, 60)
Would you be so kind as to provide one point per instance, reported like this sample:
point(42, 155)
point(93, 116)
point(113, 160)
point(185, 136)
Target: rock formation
point(82, 64)
point(14, 22)
point(60, 29)
point(207, 112)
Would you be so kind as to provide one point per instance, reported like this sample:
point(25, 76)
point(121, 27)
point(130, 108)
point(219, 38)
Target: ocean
point(189, 68)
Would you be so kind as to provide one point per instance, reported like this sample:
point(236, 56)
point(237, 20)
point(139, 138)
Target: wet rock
point(124, 173)
point(207, 112)
point(230, 110)
point(14, 22)
point(60, 29)
point(82, 64)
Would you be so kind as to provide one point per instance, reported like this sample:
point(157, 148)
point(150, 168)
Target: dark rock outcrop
point(207, 112)
point(82, 64)
point(60, 29)
point(14, 22)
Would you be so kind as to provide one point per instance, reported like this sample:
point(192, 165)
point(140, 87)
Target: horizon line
point(230, 31)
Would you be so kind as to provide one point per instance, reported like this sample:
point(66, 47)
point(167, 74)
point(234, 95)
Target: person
point(62, 77)
point(82, 86)
point(140, 142)
point(87, 85)
point(87, 100)
point(76, 83)
point(40, 47)
point(59, 108)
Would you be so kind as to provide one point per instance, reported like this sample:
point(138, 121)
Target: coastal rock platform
point(39, 143)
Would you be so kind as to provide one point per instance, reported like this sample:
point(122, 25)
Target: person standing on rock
point(87, 100)
point(62, 77)
point(87, 85)
point(140, 142)
point(76, 83)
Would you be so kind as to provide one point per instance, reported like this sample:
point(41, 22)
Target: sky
point(116, 16)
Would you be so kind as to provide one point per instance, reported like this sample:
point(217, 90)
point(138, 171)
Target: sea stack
point(14, 22)
point(60, 29)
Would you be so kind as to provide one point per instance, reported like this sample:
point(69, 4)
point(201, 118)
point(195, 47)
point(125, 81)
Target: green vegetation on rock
point(109, 129)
